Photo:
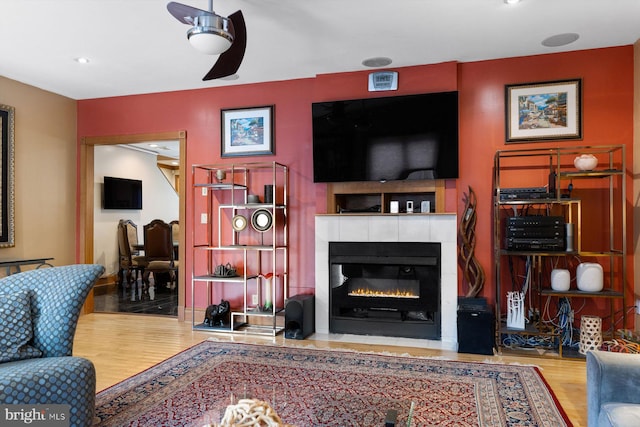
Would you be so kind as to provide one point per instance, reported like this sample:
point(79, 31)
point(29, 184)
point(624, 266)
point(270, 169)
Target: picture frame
point(247, 131)
point(544, 111)
point(7, 194)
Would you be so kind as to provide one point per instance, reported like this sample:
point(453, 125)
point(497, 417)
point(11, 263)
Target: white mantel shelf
point(363, 227)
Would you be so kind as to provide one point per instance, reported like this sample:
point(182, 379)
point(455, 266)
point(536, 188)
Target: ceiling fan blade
point(229, 61)
point(184, 13)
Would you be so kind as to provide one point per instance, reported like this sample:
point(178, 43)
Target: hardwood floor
point(121, 345)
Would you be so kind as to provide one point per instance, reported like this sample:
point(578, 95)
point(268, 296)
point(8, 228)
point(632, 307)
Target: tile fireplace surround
point(440, 228)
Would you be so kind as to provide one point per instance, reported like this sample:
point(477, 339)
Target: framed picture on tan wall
point(543, 111)
point(6, 176)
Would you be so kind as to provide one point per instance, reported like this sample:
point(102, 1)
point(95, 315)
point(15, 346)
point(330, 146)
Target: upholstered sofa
point(613, 389)
point(39, 311)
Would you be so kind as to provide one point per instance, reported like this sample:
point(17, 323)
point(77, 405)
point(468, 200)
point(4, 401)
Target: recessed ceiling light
point(560, 40)
point(379, 61)
point(82, 60)
point(512, 1)
point(153, 145)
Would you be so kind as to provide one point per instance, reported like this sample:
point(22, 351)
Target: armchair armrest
point(611, 377)
point(58, 296)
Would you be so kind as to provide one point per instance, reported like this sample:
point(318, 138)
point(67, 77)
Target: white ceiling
point(136, 46)
point(165, 150)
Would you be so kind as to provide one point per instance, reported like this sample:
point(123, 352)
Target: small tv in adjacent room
point(122, 193)
point(389, 138)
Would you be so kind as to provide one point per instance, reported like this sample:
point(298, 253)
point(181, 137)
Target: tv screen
point(122, 193)
point(383, 139)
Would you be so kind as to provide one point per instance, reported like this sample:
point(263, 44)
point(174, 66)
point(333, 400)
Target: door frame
point(87, 195)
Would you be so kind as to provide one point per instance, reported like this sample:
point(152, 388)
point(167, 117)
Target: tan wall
point(45, 172)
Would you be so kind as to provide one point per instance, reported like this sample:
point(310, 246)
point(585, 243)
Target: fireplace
point(435, 228)
point(388, 288)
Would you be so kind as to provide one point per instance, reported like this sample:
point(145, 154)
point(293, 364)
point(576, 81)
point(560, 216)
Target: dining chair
point(175, 230)
point(158, 249)
point(131, 264)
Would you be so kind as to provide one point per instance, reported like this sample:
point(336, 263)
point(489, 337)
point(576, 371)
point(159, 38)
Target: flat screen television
point(122, 193)
point(383, 139)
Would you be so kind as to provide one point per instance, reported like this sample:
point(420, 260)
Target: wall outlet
point(203, 218)
point(204, 191)
point(254, 299)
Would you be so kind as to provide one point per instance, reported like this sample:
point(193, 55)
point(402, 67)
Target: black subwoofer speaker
point(299, 317)
point(476, 330)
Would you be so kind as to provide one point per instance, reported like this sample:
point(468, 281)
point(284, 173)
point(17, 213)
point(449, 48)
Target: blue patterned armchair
point(39, 311)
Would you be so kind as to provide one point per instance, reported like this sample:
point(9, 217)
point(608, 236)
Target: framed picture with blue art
point(543, 111)
point(247, 131)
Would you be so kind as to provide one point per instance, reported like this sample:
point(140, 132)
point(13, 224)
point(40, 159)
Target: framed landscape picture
point(247, 132)
point(6, 176)
point(543, 111)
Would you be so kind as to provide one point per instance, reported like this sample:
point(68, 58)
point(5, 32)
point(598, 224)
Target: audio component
point(299, 317)
point(476, 326)
point(526, 193)
point(569, 237)
point(535, 232)
point(529, 244)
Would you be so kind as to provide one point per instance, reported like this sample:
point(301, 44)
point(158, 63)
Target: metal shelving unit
point(554, 167)
point(221, 196)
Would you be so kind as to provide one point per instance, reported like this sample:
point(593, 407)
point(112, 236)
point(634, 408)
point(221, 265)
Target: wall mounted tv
point(382, 139)
point(122, 193)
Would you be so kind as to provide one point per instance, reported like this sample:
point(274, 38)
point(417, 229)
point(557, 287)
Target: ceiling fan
point(214, 35)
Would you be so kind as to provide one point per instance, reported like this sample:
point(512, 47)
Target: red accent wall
point(607, 76)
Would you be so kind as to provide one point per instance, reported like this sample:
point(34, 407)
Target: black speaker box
point(299, 317)
point(476, 330)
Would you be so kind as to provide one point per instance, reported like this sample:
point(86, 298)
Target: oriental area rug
point(310, 387)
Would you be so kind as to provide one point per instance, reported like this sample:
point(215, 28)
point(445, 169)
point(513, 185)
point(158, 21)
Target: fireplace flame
point(397, 293)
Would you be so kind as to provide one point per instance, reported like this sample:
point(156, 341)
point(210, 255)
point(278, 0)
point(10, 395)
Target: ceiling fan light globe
point(210, 34)
point(210, 43)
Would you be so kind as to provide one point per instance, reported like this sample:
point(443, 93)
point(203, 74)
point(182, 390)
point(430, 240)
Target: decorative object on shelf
point(590, 334)
point(589, 276)
point(473, 272)
point(268, 193)
point(253, 198)
point(268, 283)
point(225, 271)
point(585, 162)
point(262, 220)
point(515, 310)
point(239, 223)
point(7, 197)
point(560, 279)
point(544, 111)
point(247, 132)
point(221, 175)
point(218, 314)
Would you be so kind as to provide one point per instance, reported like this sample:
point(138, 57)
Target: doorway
point(86, 214)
